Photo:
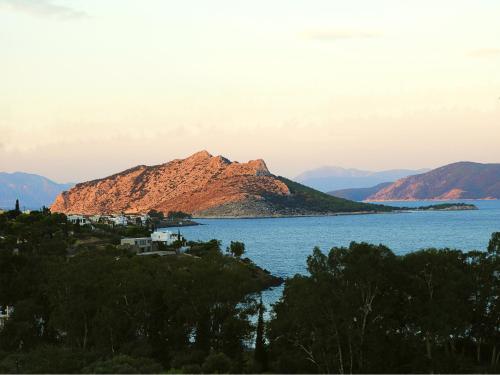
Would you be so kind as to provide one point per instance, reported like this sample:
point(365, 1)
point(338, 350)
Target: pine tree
point(494, 245)
point(17, 206)
point(260, 354)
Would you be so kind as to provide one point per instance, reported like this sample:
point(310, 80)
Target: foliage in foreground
point(83, 305)
point(104, 310)
point(364, 309)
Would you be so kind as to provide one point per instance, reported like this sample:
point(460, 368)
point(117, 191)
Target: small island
point(444, 207)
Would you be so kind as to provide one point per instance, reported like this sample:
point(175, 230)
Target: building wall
point(144, 243)
point(166, 237)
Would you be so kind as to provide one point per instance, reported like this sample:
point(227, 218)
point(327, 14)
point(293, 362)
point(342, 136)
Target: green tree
point(363, 309)
point(260, 352)
point(438, 289)
point(494, 245)
point(178, 215)
point(45, 359)
point(155, 217)
point(236, 248)
point(111, 303)
point(123, 364)
point(330, 321)
point(217, 363)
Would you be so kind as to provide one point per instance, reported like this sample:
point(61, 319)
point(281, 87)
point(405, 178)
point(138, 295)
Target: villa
point(165, 237)
point(151, 244)
point(79, 219)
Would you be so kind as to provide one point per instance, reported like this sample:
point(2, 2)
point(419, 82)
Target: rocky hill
point(33, 191)
point(463, 180)
point(205, 186)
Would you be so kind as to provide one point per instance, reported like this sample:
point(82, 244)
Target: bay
point(282, 245)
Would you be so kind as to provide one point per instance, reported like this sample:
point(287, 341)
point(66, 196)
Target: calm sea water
point(282, 245)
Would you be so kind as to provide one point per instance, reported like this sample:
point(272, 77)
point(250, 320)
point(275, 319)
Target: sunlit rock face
point(463, 180)
point(199, 184)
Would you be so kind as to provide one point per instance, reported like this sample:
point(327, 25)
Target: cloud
point(44, 8)
point(339, 34)
point(485, 53)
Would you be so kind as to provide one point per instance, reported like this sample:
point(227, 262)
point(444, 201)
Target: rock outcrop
point(203, 185)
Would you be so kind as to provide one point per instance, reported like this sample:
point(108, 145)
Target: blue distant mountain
point(33, 191)
point(327, 179)
point(359, 194)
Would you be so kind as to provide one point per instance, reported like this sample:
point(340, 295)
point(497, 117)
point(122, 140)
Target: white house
point(78, 219)
point(150, 245)
point(120, 220)
point(165, 237)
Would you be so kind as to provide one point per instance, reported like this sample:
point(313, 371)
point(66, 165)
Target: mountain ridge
point(332, 178)
point(203, 185)
point(32, 190)
point(460, 180)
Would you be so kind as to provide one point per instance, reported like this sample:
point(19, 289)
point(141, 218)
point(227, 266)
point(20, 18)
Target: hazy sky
point(92, 87)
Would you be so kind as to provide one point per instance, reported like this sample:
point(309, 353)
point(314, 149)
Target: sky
point(92, 87)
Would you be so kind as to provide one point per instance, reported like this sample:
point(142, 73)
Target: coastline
point(431, 200)
point(190, 224)
point(397, 211)
point(296, 216)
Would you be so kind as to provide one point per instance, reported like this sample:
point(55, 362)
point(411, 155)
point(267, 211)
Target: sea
point(282, 245)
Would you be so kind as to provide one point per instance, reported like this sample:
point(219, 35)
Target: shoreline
point(294, 216)
point(431, 200)
point(191, 224)
point(402, 211)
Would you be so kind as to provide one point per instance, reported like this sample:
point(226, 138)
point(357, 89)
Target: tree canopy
point(102, 309)
point(364, 309)
point(82, 304)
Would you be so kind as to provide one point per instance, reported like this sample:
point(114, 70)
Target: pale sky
point(91, 87)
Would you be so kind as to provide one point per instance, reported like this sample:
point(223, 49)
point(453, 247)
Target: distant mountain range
point(33, 191)
point(205, 186)
point(462, 180)
point(336, 178)
point(213, 186)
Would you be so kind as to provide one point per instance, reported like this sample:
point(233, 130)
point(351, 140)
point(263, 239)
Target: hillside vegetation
point(306, 198)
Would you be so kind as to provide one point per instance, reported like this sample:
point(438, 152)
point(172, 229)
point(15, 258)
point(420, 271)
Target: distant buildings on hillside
point(78, 219)
point(117, 219)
